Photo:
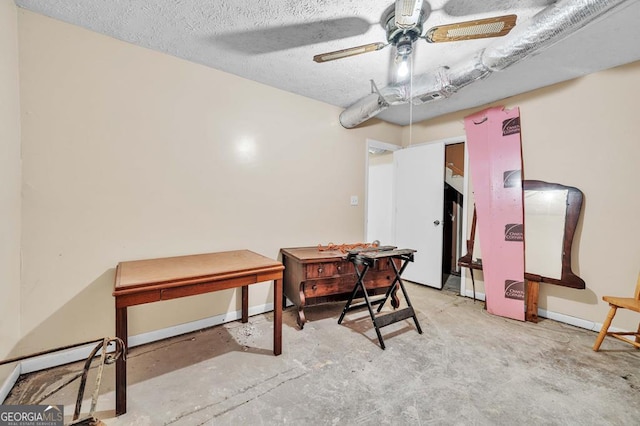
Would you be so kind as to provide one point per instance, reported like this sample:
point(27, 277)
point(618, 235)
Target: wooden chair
point(632, 303)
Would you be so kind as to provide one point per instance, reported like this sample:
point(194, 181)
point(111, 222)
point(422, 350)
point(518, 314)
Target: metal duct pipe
point(373, 104)
point(366, 108)
point(544, 29)
point(547, 27)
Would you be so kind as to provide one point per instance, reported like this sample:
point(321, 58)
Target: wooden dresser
point(312, 277)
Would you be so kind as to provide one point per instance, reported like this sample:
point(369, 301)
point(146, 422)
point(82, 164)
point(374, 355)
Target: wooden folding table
point(362, 261)
point(153, 280)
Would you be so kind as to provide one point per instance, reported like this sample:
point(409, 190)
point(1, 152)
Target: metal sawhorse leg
point(367, 259)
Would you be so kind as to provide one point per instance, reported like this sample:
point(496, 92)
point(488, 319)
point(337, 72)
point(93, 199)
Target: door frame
point(465, 207)
point(465, 204)
point(372, 143)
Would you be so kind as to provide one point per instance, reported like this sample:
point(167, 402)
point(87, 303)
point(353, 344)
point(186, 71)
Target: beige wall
point(130, 154)
point(10, 181)
point(582, 133)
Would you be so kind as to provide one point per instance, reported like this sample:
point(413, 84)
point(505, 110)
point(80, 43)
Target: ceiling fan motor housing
point(399, 37)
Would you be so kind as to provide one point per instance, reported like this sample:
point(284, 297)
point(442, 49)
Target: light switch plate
point(354, 200)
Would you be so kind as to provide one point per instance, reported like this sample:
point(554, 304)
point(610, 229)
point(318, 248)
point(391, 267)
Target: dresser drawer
point(328, 269)
point(344, 284)
point(329, 286)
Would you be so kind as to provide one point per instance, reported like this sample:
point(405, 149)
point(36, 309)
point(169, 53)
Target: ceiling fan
point(403, 25)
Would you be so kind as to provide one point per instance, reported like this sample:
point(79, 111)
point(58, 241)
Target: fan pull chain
point(411, 103)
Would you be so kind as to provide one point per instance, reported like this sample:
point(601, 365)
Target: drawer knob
point(313, 287)
point(320, 269)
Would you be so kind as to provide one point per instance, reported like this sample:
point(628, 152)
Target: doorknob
point(436, 222)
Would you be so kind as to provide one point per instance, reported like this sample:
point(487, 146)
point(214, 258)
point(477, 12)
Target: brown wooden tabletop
point(169, 271)
point(153, 280)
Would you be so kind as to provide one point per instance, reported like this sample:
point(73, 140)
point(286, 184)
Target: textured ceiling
point(273, 42)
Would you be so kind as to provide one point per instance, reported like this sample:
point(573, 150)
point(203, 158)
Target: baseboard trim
point(10, 382)
point(177, 330)
point(55, 359)
point(577, 322)
point(479, 296)
point(565, 319)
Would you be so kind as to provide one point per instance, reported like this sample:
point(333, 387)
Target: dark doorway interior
point(452, 216)
point(452, 208)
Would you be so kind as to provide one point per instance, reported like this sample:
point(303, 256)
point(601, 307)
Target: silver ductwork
point(373, 104)
point(544, 29)
point(366, 108)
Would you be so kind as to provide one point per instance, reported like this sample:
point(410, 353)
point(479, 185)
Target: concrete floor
point(467, 368)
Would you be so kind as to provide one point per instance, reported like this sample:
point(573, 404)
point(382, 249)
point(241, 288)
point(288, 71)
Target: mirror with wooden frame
point(551, 214)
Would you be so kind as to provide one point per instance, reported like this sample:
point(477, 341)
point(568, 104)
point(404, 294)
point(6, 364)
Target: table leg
point(121, 364)
point(245, 303)
point(533, 288)
point(277, 317)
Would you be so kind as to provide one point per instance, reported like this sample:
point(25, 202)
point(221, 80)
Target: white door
point(419, 202)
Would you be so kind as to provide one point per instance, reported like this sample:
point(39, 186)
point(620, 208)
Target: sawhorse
point(363, 260)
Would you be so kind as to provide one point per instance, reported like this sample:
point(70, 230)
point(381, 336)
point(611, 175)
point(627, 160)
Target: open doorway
point(379, 206)
point(452, 216)
point(383, 204)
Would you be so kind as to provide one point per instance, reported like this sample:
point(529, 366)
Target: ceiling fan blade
point(469, 30)
point(352, 51)
point(408, 13)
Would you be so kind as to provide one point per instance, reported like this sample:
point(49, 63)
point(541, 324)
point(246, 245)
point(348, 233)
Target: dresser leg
point(300, 318)
point(395, 300)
